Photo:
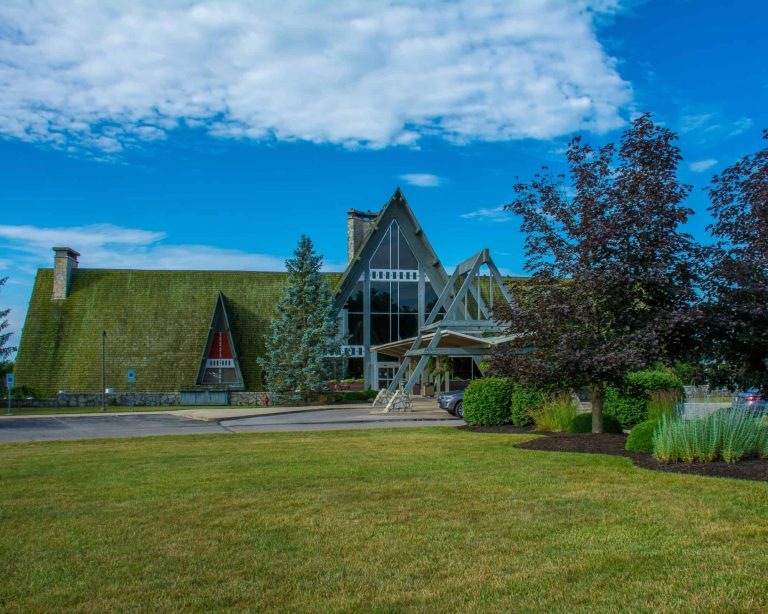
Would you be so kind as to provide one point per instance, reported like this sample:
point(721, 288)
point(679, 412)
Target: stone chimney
point(64, 263)
point(358, 225)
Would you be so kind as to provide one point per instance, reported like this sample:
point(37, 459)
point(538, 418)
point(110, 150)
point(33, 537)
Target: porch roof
point(465, 344)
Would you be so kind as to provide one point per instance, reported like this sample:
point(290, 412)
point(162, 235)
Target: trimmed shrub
point(486, 402)
point(629, 403)
point(522, 403)
point(582, 423)
point(358, 395)
point(641, 437)
point(556, 414)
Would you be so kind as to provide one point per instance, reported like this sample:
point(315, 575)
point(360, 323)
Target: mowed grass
point(428, 520)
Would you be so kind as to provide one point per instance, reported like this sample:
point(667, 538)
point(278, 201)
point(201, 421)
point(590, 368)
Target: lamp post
point(103, 370)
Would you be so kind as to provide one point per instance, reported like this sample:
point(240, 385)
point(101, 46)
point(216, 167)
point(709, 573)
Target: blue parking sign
point(9, 380)
point(131, 376)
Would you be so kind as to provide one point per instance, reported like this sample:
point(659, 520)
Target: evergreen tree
point(304, 329)
point(5, 349)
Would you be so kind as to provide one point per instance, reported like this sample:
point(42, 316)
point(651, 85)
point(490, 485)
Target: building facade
point(187, 330)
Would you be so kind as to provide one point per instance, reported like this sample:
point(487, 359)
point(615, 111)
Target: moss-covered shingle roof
point(156, 321)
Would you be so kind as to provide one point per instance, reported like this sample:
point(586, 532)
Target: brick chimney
point(358, 225)
point(64, 263)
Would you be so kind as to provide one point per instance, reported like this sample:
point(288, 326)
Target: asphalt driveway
point(49, 428)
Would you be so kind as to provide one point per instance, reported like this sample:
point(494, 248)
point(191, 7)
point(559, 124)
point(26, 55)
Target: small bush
point(729, 434)
point(358, 395)
point(630, 402)
point(523, 402)
point(641, 437)
point(486, 402)
point(556, 414)
point(582, 423)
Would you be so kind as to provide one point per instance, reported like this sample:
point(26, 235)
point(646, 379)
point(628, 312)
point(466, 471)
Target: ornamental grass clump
point(730, 435)
point(556, 414)
point(663, 403)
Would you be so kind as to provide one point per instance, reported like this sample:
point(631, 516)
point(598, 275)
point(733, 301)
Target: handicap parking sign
point(131, 376)
point(9, 380)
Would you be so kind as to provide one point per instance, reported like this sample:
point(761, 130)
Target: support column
point(367, 329)
point(422, 289)
point(374, 370)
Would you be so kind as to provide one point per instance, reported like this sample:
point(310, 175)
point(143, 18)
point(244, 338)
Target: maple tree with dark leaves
point(612, 273)
point(737, 283)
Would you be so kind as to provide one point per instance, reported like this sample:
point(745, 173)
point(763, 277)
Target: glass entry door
point(386, 374)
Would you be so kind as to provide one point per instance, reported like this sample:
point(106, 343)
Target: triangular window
point(219, 365)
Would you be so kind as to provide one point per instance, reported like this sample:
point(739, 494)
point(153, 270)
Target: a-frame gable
point(396, 209)
point(219, 365)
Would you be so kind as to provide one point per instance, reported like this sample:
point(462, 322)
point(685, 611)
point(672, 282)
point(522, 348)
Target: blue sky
point(210, 135)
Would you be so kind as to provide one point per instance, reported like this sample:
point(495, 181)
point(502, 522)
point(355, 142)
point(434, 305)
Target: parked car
point(750, 399)
point(452, 401)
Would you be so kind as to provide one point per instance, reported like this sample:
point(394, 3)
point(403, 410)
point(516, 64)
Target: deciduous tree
point(737, 284)
point(5, 349)
point(612, 271)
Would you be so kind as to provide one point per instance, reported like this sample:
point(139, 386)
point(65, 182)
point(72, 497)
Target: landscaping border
point(613, 444)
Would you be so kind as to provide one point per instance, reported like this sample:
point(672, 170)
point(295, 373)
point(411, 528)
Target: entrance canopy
point(459, 324)
point(450, 343)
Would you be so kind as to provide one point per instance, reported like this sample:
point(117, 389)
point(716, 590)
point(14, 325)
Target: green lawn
point(383, 520)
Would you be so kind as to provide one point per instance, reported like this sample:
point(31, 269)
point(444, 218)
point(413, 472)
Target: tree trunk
point(598, 397)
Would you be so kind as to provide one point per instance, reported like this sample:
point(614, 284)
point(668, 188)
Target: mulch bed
point(613, 444)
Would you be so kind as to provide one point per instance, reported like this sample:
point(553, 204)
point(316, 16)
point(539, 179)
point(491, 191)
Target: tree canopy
point(5, 349)
point(612, 272)
point(737, 283)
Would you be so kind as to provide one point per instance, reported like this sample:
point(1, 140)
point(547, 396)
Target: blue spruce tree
point(304, 330)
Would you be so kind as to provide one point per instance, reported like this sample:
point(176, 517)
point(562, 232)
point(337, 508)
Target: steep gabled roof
point(220, 323)
point(396, 209)
point(156, 323)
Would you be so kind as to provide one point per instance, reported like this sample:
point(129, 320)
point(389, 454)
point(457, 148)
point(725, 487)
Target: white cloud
point(712, 127)
point(740, 126)
point(108, 246)
point(422, 180)
point(104, 75)
point(702, 165)
point(490, 215)
point(693, 122)
point(96, 235)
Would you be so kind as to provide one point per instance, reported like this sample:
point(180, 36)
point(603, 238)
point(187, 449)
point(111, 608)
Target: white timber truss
point(478, 330)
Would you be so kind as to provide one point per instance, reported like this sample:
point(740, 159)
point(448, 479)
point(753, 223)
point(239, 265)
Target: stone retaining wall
point(246, 399)
point(93, 399)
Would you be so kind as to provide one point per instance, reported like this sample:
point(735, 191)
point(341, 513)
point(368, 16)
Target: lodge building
point(403, 320)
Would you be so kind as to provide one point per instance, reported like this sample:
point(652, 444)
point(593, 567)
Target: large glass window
point(382, 257)
point(408, 298)
point(394, 297)
point(355, 328)
point(406, 258)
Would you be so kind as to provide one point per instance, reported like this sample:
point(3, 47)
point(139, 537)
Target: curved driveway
point(48, 428)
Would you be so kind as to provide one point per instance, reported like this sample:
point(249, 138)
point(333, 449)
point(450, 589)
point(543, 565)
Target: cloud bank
point(103, 76)
point(109, 246)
